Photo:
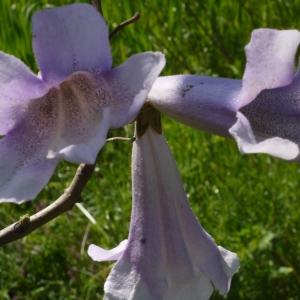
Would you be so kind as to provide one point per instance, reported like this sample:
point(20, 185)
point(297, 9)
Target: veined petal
point(23, 175)
point(247, 143)
point(205, 103)
point(168, 255)
point(23, 164)
point(94, 104)
point(87, 151)
point(69, 121)
point(84, 101)
point(68, 39)
point(130, 84)
point(269, 98)
point(275, 112)
point(270, 61)
point(17, 83)
point(100, 254)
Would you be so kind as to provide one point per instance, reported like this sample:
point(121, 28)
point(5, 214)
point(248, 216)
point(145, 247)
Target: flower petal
point(24, 149)
point(22, 175)
point(17, 83)
point(84, 101)
point(169, 255)
point(94, 104)
point(205, 103)
point(87, 151)
point(126, 283)
point(130, 84)
point(275, 112)
point(275, 146)
point(100, 254)
point(230, 262)
point(270, 61)
point(68, 39)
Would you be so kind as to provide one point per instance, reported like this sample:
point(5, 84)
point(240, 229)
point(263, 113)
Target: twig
point(122, 25)
point(97, 5)
point(64, 203)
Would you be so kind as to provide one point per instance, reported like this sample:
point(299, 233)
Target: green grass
point(249, 204)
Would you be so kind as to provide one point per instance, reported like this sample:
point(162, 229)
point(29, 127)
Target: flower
point(168, 254)
point(65, 111)
point(261, 111)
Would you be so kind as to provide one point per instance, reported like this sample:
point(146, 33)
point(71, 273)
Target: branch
point(65, 202)
point(122, 25)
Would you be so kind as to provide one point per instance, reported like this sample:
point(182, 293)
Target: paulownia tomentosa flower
point(65, 111)
point(261, 111)
point(168, 255)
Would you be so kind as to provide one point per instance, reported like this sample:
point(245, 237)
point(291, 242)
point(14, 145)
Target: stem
point(122, 25)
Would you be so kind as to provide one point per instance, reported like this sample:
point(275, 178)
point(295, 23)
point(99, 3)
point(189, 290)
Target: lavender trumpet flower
point(65, 111)
point(261, 111)
point(168, 254)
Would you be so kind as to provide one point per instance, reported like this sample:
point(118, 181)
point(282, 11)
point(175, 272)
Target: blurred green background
point(249, 204)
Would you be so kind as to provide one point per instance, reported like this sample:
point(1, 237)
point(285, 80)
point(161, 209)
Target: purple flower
point(168, 254)
point(261, 111)
point(65, 111)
